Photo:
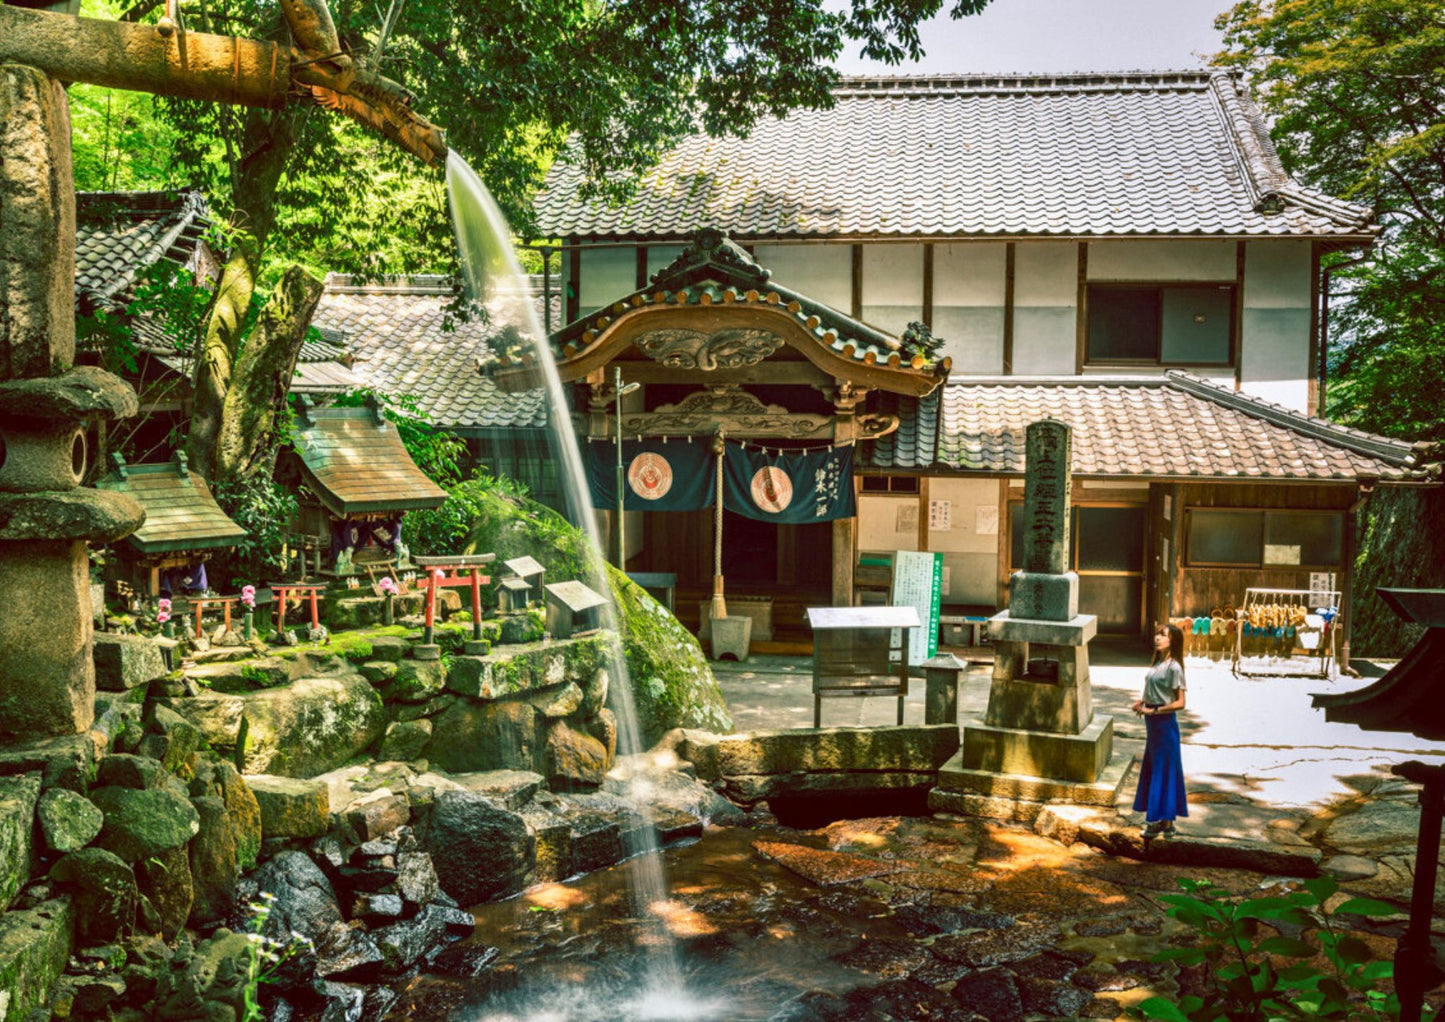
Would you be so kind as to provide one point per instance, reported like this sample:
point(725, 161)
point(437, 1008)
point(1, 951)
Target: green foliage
point(267, 955)
point(166, 297)
point(1354, 89)
point(448, 529)
point(264, 508)
point(1240, 942)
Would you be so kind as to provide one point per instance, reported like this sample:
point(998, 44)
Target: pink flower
point(163, 604)
point(163, 617)
point(248, 597)
point(388, 587)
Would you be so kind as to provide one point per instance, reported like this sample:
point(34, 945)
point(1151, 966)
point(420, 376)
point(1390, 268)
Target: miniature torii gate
point(455, 572)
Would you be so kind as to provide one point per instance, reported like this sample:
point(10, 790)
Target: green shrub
point(1243, 983)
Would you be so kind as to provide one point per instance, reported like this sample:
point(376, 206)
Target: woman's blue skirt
point(1161, 775)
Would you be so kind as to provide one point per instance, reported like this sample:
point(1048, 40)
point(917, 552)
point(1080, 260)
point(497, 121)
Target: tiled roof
point(118, 234)
point(356, 463)
point(181, 514)
point(914, 444)
point(1172, 426)
point(394, 331)
point(1173, 153)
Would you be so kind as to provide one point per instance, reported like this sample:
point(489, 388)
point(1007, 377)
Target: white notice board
point(918, 583)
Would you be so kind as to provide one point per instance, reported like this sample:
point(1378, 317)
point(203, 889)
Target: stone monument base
point(1021, 797)
point(1080, 757)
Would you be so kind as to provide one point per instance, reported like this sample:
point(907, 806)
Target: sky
point(1062, 35)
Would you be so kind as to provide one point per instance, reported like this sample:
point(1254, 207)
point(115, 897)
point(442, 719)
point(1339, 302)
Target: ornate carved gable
point(736, 348)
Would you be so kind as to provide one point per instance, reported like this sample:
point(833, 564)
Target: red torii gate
point(454, 572)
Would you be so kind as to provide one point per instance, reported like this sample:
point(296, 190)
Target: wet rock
point(304, 901)
point(479, 849)
point(377, 814)
point(574, 759)
point(469, 737)
point(34, 946)
point(510, 788)
point(1051, 965)
point(346, 951)
point(68, 821)
point(405, 740)
point(208, 983)
point(290, 807)
point(416, 878)
point(1102, 978)
point(603, 727)
point(1102, 1007)
point(560, 704)
point(464, 959)
point(124, 662)
point(927, 920)
point(165, 879)
point(1102, 926)
point(594, 693)
point(243, 809)
point(378, 1003)
point(344, 1001)
point(916, 749)
point(215, 862)
point(909, 1000)
point(995, 947)
point(892, 958)
point(991, 993)
point(94, 994)
point(377, 906)
point(814, 1006)
point(122, 771)
point(459, 922)
point(105, 892)
point(18, 798)
point(402, 943)
point(822, 867)
point(416, 681)
point(142, 824)
point(1051, 996)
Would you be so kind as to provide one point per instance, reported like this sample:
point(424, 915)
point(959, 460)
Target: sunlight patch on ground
point(555, 897)
point(681, 920)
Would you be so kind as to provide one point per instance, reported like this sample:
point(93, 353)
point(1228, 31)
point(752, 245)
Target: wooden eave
point(355, 463)
point(181, 513)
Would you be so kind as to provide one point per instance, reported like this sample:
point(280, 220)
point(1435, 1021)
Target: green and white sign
point(918, 583)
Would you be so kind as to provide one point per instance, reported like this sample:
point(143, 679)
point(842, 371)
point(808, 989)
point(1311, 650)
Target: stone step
point(1021, 796)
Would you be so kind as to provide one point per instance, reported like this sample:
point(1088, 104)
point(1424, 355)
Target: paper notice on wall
point(1322, 587)
point(940, 515)
point(1281, 553)
point(947, 572)
point(907, 518)
point(985, 519)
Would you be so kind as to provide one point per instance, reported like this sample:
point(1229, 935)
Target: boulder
point(594, 693)
point(141, 824)
point(310, 726)
point(165, 879)
point(479, 849)
point(509, 788)
point(124, 662)
point(215, 862)
point(406, 740)
point(123, 771)
point(68, 821)
point(173, 740)
point(829, 750)
point(217, 715)
point(243, 810)
point(301, 901)
point(376, 814)
point(210, 983)
point(240, 676)
point(402, 943)
point(574, 759)
point(378, 672)
point(389, 647)
point(525, 669)
point(469, 737)
point(18, 796)
point(105, 893)
point(416, 878)
point(416, 681)
point(603, 727)
point(345, 951)
point(559, 704)
point(290, 807)
point(34, 947)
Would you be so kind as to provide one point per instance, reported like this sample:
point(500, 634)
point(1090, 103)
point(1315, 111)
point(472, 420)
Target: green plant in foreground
point(267, 954)
point(1243, 977)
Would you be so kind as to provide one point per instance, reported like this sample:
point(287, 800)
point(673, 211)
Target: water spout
point(494, 279)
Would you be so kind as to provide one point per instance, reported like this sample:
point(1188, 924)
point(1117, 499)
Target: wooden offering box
point(860, 651)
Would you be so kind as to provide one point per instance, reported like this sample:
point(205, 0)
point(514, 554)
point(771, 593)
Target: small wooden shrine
point(356, 481)
point(183, 527)
point(573, 609)
point(522, 584)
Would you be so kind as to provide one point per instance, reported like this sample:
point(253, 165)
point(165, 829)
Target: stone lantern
point(47, 678)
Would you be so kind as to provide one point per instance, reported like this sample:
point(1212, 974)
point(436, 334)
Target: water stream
point(495, 281)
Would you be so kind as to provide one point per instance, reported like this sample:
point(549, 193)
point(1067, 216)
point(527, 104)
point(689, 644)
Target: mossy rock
point(416, 681)
point(528, 626)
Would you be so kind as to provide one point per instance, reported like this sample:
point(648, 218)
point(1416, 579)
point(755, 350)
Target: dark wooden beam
point(928, 284)
point(856, 306)
point(1237, 345)
point(1008, 309)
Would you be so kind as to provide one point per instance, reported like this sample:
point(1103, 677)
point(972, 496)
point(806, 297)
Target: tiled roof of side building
point(1171, 426)
point(395, 332)
point(1113, 155)
point(119, 234)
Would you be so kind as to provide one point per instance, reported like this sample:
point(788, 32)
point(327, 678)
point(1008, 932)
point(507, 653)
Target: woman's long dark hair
point(1176, 647)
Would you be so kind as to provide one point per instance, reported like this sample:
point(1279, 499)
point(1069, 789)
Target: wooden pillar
point(844, 542)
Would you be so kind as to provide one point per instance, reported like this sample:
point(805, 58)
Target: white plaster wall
point(968, 304)
point(605, 275)
point(822, 272)
point(892, 286)
point(971, 559)
point(878, 522)
point(1162, 260)
point(1274, 340)
point(1046, 276)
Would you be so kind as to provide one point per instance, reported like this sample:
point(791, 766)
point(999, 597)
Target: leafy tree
point(512, 81)
point(1357, 89)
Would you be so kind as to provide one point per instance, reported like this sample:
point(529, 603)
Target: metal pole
point(1413, 955)
point(617, 427)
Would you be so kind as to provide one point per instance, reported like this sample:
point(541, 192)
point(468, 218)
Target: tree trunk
point(263, 374)
point(267, 140)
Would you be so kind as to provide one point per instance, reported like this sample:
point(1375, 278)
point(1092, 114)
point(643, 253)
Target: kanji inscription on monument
point(1046, 498)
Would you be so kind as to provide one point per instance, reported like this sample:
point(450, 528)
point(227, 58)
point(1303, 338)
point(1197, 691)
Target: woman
point(1161, 776)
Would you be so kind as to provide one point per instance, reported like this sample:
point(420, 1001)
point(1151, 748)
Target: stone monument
point(1040, 739)
point(47, 678)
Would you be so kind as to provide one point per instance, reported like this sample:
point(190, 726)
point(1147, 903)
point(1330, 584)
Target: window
point(890, 484)
point(1176, 324)
point(1259, 539)
point(1106, 548)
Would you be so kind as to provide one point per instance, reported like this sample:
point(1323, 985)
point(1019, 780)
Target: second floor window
point(1161, 324)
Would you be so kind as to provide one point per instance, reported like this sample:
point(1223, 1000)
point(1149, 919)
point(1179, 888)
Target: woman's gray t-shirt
point(1161, 682)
